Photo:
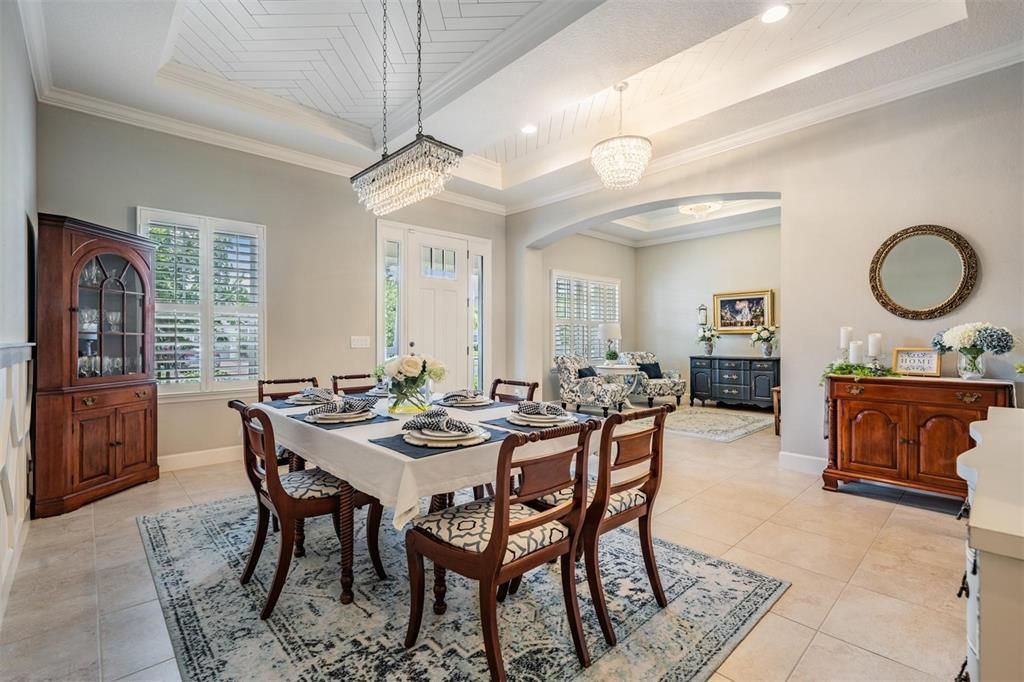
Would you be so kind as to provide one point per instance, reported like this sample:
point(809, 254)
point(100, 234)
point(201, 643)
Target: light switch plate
point(360, 341)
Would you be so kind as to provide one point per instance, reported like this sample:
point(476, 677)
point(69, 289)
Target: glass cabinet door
point(111, 319)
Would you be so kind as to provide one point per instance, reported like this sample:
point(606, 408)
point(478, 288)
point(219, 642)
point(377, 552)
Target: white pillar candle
point(874, 345)
point(856, 352)
point(844, 337)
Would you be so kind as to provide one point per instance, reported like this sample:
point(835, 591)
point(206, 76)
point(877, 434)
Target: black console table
point(733, 380)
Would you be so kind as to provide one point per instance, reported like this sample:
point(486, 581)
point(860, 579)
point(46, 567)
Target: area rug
point(196, 555)
point(717, 424)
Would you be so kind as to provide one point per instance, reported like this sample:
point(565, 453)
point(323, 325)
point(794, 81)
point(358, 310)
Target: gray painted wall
point(951, 156)
point(676, 278)
point(320, 241)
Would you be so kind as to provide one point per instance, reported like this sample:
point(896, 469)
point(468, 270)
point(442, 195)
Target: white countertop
point(995, 468)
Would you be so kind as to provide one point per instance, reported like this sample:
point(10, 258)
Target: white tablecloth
point(396, 480)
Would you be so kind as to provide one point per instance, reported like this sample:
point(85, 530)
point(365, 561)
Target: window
point(208, 275)
point(476, 322)
point(579, 304)
point(392, 298)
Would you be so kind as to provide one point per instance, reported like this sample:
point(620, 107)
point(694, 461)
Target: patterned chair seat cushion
point(468, 526)
point(617, 503)
point(309, 484)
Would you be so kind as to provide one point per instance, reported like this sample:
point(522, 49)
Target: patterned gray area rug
point(717, 424)
point(196, 555)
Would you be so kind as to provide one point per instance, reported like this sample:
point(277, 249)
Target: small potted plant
point(971, 341)
point(707, 335)
point(765, 335)
point(611, 355)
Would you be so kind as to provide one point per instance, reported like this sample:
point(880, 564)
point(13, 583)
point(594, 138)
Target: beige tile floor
point(873, 574)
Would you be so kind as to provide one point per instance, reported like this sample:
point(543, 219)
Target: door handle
point(907, 441)
point(115, 443)
point(89, 401)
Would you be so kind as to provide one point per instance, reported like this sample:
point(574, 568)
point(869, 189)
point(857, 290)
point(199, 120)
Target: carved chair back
point(336, 380)
point(531, 388)
point(262, 394)
point(257, 445)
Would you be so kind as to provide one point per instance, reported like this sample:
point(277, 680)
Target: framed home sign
point(740, 312)
point(917, 362)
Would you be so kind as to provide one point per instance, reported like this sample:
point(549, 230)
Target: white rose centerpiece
point(707, 335)
point(410, 381)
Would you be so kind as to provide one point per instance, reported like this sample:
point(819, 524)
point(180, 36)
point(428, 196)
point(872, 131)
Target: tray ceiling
point(326, 54)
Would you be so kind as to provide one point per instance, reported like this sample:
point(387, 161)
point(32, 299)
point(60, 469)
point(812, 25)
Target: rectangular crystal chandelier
point(418, 170)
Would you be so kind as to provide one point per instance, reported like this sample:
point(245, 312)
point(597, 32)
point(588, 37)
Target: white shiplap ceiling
point(326, 54)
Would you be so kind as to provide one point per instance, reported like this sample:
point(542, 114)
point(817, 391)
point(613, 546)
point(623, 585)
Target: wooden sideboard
point(905, 430)
point(734, 380)
point(95, 430)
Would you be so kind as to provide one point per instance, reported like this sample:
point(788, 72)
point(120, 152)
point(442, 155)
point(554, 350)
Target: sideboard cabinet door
point(135, 440)
point(940, 435)
point(871, 437)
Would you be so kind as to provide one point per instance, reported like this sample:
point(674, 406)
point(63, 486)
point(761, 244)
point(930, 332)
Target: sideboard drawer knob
point(854, 390)
point(968, 398)
point(89, 401)
point(140, 394)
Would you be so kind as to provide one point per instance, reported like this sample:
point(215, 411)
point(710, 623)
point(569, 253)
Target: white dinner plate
point(340, 418)
point(467, 403)
point(448, 435)
point(520, 421)
point(412, 438)
point(541, 417)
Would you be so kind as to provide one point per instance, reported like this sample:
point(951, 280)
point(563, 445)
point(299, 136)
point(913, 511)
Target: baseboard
point(807, 464)
point(8, 572)
point(200, 458)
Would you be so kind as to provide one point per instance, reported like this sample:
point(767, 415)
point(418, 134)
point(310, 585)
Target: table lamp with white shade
point(610, 332)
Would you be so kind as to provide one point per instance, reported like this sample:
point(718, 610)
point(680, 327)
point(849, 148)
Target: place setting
point(342, 412)
point(435, 432)
point(530, 416)
point(465, 399)
point(308, 396)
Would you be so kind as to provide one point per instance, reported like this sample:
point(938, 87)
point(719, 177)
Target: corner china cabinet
point(95, 429)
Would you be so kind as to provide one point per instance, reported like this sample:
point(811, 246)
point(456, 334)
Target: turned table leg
point(344, 521)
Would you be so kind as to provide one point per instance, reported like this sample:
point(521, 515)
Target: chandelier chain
point(384, 34)
point(419, 67)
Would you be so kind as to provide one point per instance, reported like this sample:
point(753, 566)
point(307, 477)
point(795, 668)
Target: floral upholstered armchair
point(668, 384)
point(592, 390)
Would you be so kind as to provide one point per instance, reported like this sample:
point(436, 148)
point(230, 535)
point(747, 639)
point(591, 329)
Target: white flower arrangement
point(974, 338)
point(707, 334)
point(409, 376)
point(764, 334)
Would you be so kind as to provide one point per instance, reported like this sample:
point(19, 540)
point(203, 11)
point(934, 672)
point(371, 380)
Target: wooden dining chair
point(292, 498)
point(531, 387)
point(284, 455)
point(336, 380)
point(615, 504)
point(500, 538)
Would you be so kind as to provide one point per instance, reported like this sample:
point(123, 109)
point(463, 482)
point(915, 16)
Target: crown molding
point(260, 103)
point(471, 202)
point(725, 226)
point(977, 65)
point(530, 31)
point(622, 241)
point(34, 27)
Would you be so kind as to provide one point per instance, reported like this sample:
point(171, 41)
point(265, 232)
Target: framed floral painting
point(740, 312)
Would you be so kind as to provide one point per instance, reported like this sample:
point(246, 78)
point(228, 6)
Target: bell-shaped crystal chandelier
point(620, 161)
point(418, 170)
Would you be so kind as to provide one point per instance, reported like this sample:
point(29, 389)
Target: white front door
point(437, 319)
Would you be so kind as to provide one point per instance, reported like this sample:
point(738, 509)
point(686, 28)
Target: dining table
point(371, 457)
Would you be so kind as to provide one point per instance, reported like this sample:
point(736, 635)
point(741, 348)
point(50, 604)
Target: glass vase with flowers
point(411, 377)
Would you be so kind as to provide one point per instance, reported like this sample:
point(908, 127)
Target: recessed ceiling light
point(775, 13)
point(528, 129)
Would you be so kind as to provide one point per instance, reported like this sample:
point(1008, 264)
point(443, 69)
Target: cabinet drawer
point(762, 365)
point(733, 364)
point(700, 364)
point(728, 392)
point(733, 377)
point(975, 397)
point(90, 400)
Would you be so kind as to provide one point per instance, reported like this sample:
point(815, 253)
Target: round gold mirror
point(923, 272)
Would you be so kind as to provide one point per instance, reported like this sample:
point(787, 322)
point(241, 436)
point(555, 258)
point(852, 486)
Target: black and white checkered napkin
point(532, 407)
point(344, 406)
point(437, 419)
point(461, 393)
point(320, 395)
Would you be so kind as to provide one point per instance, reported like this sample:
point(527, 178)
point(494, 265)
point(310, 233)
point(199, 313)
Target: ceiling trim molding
point(608, 238)
point(530, 31)
point(249, 99)
point(977, 65)
point(34, 27)
point(93, 106)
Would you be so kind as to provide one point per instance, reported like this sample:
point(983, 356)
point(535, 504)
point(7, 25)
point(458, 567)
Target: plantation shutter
point(236, 305)
point(178, 284)
point(579, 306)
